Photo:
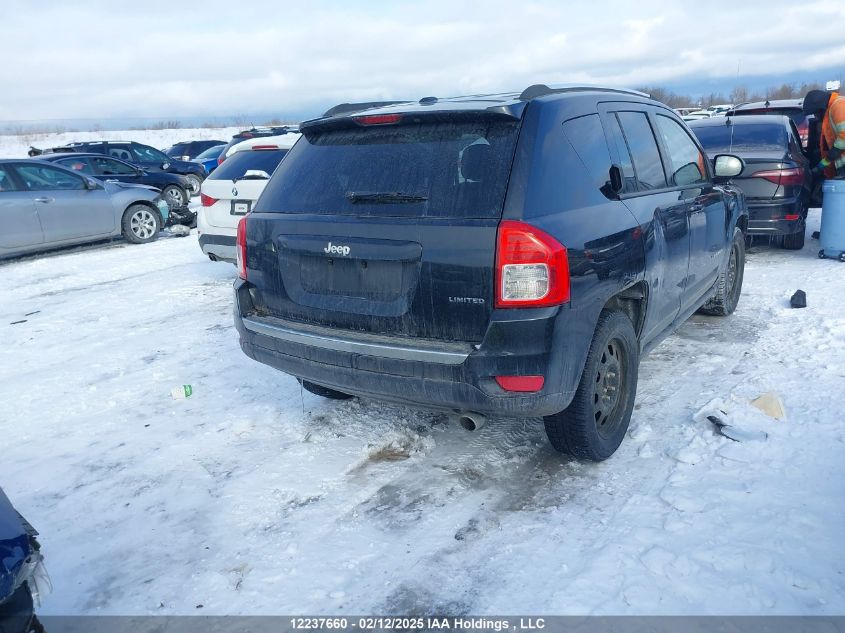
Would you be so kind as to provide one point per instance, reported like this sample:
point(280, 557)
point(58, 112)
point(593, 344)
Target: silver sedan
point(44, 206)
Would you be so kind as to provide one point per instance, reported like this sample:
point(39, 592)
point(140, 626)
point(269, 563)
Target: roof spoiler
point(343, 108)
point(541, 90)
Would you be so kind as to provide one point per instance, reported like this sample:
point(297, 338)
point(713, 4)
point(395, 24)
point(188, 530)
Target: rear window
point(211, 152)
point(740, 136)
point(238, 163)
point(177, 150)
point(796, 114)
point(442, 169)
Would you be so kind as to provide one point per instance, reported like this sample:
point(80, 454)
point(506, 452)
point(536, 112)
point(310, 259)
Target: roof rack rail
point(343, 108)
point(540, 90)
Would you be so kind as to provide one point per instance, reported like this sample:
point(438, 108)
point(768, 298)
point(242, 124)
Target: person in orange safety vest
point(829, 109)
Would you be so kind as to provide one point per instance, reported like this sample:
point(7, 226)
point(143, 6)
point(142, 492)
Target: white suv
point(230, 191)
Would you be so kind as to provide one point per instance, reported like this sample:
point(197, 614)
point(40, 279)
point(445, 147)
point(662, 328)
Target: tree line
point(740, 94)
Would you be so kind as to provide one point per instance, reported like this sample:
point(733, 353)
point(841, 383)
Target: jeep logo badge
point(337, 250)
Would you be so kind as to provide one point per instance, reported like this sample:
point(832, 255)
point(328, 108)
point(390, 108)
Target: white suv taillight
point(532, 269)
point(241, 247)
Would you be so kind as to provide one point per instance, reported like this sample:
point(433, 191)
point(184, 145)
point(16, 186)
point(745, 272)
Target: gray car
point(44, 206)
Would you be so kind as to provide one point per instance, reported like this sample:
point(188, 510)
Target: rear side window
point(6, 182)
point(119, 151)
point(643, 146)
point(586, 136)
point(178, 150)
point(439, 169)
point(686, 163)
point(238, 163)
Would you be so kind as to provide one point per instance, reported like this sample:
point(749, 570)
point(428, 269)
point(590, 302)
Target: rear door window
point(437, 169)
point(238, 163)
point(644, 152)
point(147, 154)
point(82, 165)
point(686, 162)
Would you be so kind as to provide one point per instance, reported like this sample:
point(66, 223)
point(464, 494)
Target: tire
point(795, 241)
point(194, 183)
point(729, 285)
point(141, 224)
point(325, 392)
point(174, 196)
point(595, 422)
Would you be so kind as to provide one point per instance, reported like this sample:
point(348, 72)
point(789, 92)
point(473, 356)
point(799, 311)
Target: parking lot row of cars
point(91, 191)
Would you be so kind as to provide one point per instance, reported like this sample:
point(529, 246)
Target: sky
point(111, 59)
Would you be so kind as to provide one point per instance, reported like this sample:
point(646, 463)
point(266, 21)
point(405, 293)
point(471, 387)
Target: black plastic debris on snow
point(799, 299)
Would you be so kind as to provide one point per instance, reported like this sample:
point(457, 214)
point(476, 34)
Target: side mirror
point(615, 185)
point(727, 166)
point(91, 184)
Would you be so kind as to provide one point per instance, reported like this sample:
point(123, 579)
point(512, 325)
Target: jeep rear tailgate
point(386, 229)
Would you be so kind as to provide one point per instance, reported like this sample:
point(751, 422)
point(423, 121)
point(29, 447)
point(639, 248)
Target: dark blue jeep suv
point(508, 254)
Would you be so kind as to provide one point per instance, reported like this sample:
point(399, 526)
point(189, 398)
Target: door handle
point(45, 200)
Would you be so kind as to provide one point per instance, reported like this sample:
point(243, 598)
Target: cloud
point(167, 59)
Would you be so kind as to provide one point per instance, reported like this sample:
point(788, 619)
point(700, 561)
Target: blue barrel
point(832, 233)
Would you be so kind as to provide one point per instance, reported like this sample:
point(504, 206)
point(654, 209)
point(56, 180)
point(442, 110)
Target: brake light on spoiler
point(377, 119)
point(532, 268)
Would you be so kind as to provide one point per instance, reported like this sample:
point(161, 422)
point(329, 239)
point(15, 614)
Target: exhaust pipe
point(471, 421)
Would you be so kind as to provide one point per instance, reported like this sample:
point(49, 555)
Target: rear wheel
point(595, 422)
point(325, 392)
point(140, 224)
point(729, 285)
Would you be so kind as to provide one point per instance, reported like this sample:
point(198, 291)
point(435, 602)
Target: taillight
point(532, 269)
point(794, 176)
point(521, 383)
point(241, 247)
point(262, 147)
point(207, 201)
point(377, 119)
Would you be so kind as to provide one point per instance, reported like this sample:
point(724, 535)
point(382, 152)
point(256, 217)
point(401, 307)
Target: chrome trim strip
point(355, 347)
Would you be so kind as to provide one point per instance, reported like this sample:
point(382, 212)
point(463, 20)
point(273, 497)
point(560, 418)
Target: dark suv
point(508, 254)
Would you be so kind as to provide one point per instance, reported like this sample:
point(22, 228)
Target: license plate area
point(240, 207)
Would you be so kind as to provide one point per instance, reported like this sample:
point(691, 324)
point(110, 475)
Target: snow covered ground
point(251, 497)
point(17, 145)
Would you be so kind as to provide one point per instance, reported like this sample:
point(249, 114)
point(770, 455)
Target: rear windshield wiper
point(384, 197)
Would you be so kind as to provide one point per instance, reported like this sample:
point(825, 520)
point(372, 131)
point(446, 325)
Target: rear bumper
point(767, 217)
point(220, 246)
point(446, 377)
